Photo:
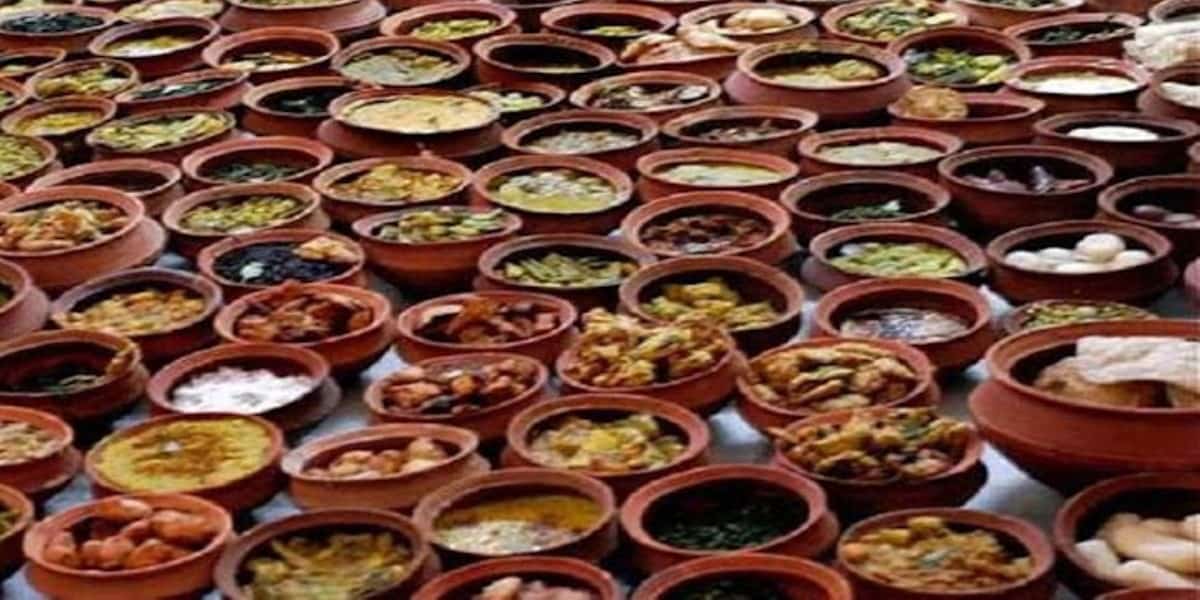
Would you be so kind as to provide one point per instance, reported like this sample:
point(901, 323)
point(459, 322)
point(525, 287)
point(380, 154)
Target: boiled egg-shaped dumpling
point(1099, 247)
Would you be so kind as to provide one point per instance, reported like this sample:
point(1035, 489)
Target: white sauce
point(1114, 133)
point(1079, 83)
point(1185, 94)
point(239, 391)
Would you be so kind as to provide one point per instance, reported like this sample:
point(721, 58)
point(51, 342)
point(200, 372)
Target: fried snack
point(621, 351)
point(843, 376)
point(295, 314)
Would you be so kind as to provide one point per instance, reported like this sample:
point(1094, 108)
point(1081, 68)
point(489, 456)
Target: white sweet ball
point(1055, 254)
point(1024, 259)
point(1100, 247)
point(1128, 258)
point(1078, 267)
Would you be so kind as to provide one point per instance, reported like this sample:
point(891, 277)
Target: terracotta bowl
point(224, 96)
point(155, 183)
point(1171, 10)
point(424, 564)
point(819, 270)
point(8, 189)
point(345, 209)
point(464, 581)
point(585, 96)
point(189, 243)
point(543, 348)
point(309, 156)
point(346, 19)
point(191, 574)
point(48, 163)
point(165, 344)
point(592, 545)
point(813, 201)
point(1068, 444)
point(137, 243)
point(354, 274)
point(40, 478)
point(1172, 191)
point(71, 148)
point(813, 162)
point(1191, 282)
point(16, 92)
point(753, 280)
point(64, 68)
point(73, 42)
point(1014, 533)
point(528, 11)
point(958, 299)
point(1194, 155)
point(396, 492)
point(975, 40)
point(803, 579)
point(583, 298)
point(10, 542)
point(775, 248)
point(1173, 496)
point(814, 537)
point(837, 106)
point(552, 98)
point(260, 118)
point(597, 222)
point(1119, 25)
point(1153, 101)
point(831, 19)
point(34, 59)
point(793, 124)
point(430, 266)
point(498, 59)
point(803, 26)
point(177, 60)
point(349, 353)
point(46, 351)
point(712, 65)
point(1063, 103)
point(305, 411)
point(1016, 320)
point(173, 152)
point(27, 307)
point(1167, 154)
point(651, 185)
point(403, 23)
point(992, 118)
point(763, 416)
point(520, 137)
point(674, 419)
point(447, 51)
point(677, 7)
point(997, 211)
point(1134, 285)
point(998, 16)
point(321, 45)
point(1150, 594)
point(577, 20)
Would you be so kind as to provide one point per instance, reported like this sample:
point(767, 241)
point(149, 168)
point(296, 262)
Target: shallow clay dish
point(321, 45)
point(459, 59)
point(963, 38)
point(68, 140)
point(176, 60)
point(261, 119)
point(26, 308)
point(33, 59)
point(155, 183)
point(584, 97)
point(814, 162)
point(498, 59)
point(521, 137)
point(12, 500)
point(73, 42)
point(403, 23)
point(995, 15)
point(819, 270)
point(803, 22)
point(1167, 154)
point(992, 118)
point(570, 572)
point(225, 96)
point(347, 19)
point(552, 98)
point(802, 579)
point(355, 274)
point(189, 242)
point(345, 209)
point(309, 157)
point(1177, 192)
point(777, 246)
point(59, 69)
point(172, 152)
point(581, 19)
point(1119, 25)
point(1057, 103)
point(48, 163)
point(831, 20)
point(812, 201)
point(651, 185)
point(792, 125)
point(40, 478)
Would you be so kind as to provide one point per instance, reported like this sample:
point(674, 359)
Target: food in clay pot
point(1093, 253)
point(513, 103)
point(899, 259)
point(418, 113)
point(217, 88)
point(295, 314)
point(18, 65)
point(154, 10)
point(305, 102)
point(947, 66)
point(401, 64)
point(881, 153)
point(1130, 372)
point(320, 258)
point(1054, 313)
point(291, 50)
point(419, 454)
point(553, 269)
point(656, 94)
point(77, 375)
point(705, 233)
point(1078, 34)
point(712, 299)
point(1134, 550)
point(63, 26)
point(68, 378)
point(488, 321)
point(842, 376)
point(21, 156)
point(238, 390)
point(98, 77)
point(886, 21)
point(392, 183)
point(242, 214)
point(911, 325)
point(616, 140)
point(554, 190)
point(148, 135)
point(24, 442)
point(521, 522)
point(517, 588)
point(60, 225)
point(724, 516)
point(59, 119)
point(821, 70)
point(689, 44)
point(756, 23)
point(606, 444)
point(143, 308)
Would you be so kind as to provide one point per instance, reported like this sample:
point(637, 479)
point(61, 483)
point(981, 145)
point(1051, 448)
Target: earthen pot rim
point(222, 46)
point(975, 258)
point(1101, 171)
point(19, 283)
point(315, 9)
point(173, 216)
point(133, 208)
point(17, 91)
point(373, 397)
point(1159, 246)
point(54, 56)
point(231, 78)
point(419, 14)
point(106, 107)
point(1112, 195)
point(484, 49)
point(63, 434)
point(582, 97)
point(1163, 12)
point(457, 54)
point(649, 165)
point(209, 255)
point(1112, 66)
point(1028, 106)
point(254, 96)
point(1021, 31)
point(717, 201)
point(14, 500)
point(732, 356)
point(805, 120)
point(98, 46)
point(490, 260)
point(804, 17)
point(1011, 322)
point(567, 314)
point(831, 582)
point(365, 227)
point(296, 462)
point(831, 19)
point(102, 286)
point(324, 181)
point(833, 300)
point(1182, 130)
point(380, 306)
point(552, 19)
point(490, 570)
point(794, 194)
point(553, 94)
point(171, 174)
point(946, 144)
point(339, 105)
point(516, 133)
point(57, 337)
point(107, 18)
point(1158, 78)
point(1058, 8)
point(93, 139)
point(132, 78)
point(1017, 47)
point(49, 153)
point(193, 164)
point(749, 60)
point(621, 183)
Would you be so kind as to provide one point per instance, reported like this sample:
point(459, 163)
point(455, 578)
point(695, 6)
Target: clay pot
point(551, 96)
point(819, 270)
point(225, 96)
point(12, 500)
point(230, 570)
point(1170, 495)
point(354, 275)
point(519, 137)
point(814, 162)
point(34, 59)
point(34, 84)
point(992, 118)
point(403, 23)
point(304, 411)
point(804, 579)
point(487, 423)
point(71, 148)
point(598, 222)
point(1167, 154)
point(261, 119)
point(815, 536)
point(382, 45)
point(1063, 103)
point(1134, 285)
point(346, 209)
point(1022, 536)
point(812, 201)
point(321, 45)
point(584, 298)
point(348, 353)
point(40, 478)
point(585, 96)
point(171, 153)
point(963, 301)
point(73, 42)
point(16, 93)
point(189, 243)
point(995, 15)
point(577, 20)
point(1171, 10)
point(803, 25)
point(398, 492)
point(499, 58)
point(177, 60)
point(651, 185)
point(185, 576)
point(1068, 444)
point(755, 282)
point(165, 344)
point(1109, 45)
point(1194, 155)
point(429, 266)
point(26, 308)
point(571, 572)
point(672, 418)
point(156, 184)
point(837, 106)
point(998, 211)
point(831, 20)
point(1153, 101)
point(1017, 320)
point(1172, 191)
point(309, 156)
point(976, 40)
point(49, 162)
point(412, 347)
point(776, 247)
point(591, 545)
point(43, 352)
point(343, 18)
point(792, 124)
point(529, 12)
point(764, 416)
point(8, 189)
point(1150, 594)
point(138, 243)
